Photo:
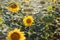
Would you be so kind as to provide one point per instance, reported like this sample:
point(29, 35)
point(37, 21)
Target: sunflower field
point(29, 19)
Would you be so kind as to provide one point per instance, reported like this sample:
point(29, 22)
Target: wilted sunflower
point(13, 7)
point(28, 11)
point(16, 34)
point(28, 20)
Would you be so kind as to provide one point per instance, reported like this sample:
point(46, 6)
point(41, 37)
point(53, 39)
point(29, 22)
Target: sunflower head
point(58, 4)
point(27, 0)
point(16, 35)
point(13, 7)
point(28, 20)
point(58, 20)
point(53, 1)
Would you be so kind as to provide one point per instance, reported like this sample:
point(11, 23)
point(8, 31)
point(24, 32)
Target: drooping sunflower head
point(28, 20)
point(16, 35)
point(13, 7)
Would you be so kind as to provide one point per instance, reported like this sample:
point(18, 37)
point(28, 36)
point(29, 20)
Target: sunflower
point(27, 0)
point(53, 1)
point(58, 20)
point(16, 34)
point(28, 20)
point(13, 7)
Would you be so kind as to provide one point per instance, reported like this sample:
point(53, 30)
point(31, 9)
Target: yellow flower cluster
point(16, 34)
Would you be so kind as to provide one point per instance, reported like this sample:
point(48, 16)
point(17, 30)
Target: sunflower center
point(28, 20)
point(15, 36)
point(13, 6)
